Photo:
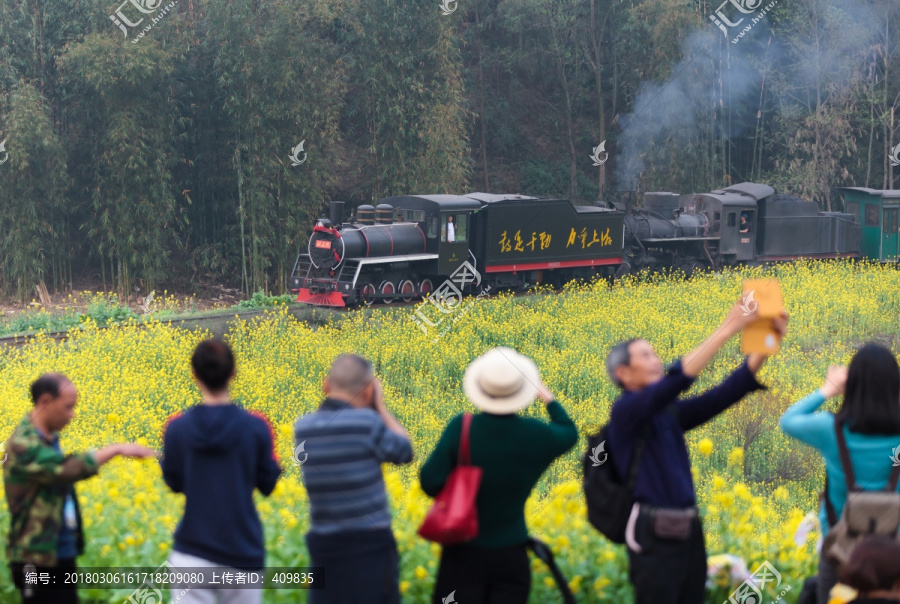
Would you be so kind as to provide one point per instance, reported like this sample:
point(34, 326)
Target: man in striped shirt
point(344, 443)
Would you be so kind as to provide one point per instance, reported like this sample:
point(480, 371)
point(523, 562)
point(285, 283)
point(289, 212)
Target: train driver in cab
point(449, 230)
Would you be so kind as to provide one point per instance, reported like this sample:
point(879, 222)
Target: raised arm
point(697, 410)
point(801, 420)
point(695, 361)
point(563, 432)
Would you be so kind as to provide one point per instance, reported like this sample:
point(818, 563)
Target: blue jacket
point(217, 455)
point(869, 455)
point(664, 474)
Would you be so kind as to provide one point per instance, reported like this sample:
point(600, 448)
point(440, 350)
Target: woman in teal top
point(870, 414)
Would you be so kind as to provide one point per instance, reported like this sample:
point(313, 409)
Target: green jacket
point(513, 451)
point(36, 479)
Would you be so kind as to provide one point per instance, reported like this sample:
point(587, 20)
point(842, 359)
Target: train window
point(745, 222)
point(461, 227)
point(432, 227)
point(453, 227)
point(717, 216)
point(872, 215)
point(411, 215)
point(731, 219)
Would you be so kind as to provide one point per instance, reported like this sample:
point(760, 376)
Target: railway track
point(218, 323)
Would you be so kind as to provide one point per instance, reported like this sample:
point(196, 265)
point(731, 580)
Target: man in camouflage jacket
point(45, 520)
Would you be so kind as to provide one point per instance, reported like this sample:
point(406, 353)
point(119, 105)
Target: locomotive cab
point(735, 219)
point(739, 230)
point(454, 245)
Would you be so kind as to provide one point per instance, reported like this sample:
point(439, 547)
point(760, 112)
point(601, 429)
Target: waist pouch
point(672, 523)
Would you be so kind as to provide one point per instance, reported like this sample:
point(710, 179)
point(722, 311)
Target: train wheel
point(623, 270)
point(425, 287)
point(690, 268)
point(387, 288)
point(407, 290)
point(366, 291)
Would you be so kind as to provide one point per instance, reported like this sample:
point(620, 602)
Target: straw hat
point(501, 381)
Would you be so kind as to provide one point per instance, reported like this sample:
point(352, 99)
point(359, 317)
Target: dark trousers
point(481, 575)
point(827, 579)
point(40, 594)
point(356, 567)
point(668, 570)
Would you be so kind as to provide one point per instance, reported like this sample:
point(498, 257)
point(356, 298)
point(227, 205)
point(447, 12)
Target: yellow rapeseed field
point(754, 485)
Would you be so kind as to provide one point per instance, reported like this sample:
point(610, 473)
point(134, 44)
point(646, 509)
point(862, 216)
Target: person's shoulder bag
point(453, 518)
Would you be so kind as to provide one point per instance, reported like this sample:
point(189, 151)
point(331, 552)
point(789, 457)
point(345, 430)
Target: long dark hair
point(872, 396)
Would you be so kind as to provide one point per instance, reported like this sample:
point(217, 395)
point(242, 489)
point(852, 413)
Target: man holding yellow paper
point(666, 549)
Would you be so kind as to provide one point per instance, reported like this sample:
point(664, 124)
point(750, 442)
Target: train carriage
point(877, 212)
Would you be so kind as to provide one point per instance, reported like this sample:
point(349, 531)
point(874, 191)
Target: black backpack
point(609, 501)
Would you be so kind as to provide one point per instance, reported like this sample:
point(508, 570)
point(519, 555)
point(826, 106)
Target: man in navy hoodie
point(664, 535)
point(217, 454)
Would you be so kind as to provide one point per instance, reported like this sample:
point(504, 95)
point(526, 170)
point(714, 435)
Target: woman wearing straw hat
point(513, 451)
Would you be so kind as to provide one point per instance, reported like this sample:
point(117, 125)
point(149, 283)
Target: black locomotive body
point(745, 223)
point(409, 246)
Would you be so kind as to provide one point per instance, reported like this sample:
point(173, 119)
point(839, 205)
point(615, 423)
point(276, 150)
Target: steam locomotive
point(407, 246)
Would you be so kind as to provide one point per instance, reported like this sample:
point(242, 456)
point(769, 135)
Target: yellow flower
point(421, 573)
point(575, 584)
point(741, 490)
point(705, 446)
point(404, 587)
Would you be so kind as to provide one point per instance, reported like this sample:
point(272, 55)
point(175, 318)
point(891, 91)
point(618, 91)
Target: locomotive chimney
point(337, 214)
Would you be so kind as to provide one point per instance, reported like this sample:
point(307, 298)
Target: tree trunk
point(481, 118)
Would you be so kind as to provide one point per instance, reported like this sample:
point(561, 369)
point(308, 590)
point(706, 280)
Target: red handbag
point(454, 518)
